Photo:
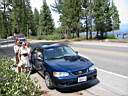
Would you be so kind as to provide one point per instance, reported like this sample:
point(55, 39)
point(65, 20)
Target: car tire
point(48, 81)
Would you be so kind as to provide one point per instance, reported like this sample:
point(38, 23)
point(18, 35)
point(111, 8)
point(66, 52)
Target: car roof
point(52, 45)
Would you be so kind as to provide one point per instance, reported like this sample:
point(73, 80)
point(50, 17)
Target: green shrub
point(111, 37)
point(33, 37)
point(55, 36)
point(13, 84)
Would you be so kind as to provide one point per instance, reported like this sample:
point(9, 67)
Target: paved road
point(112, 70)
point(114, 59)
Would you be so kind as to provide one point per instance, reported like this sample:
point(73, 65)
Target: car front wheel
point(48, 81)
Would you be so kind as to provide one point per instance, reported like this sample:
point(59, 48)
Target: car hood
point(64, 65)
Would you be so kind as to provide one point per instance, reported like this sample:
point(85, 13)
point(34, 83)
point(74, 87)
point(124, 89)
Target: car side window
point(38, 53)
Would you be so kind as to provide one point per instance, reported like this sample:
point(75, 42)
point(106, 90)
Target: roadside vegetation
point(76, 16)
point(111, 37)
point(14, 84)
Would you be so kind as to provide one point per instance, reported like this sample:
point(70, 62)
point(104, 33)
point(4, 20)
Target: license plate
point(82, 79)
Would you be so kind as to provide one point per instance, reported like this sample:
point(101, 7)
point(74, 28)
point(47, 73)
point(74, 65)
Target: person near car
point(29, 54)
point(16, 51)
point(24, 58)
point(28, 48)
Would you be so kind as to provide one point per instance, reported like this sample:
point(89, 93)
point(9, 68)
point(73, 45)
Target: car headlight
point(92, 68)
point(60, 74)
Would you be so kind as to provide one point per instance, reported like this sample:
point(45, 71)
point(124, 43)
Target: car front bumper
point(72, 81)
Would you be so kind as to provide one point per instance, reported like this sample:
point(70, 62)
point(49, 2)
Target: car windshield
point(58, 52)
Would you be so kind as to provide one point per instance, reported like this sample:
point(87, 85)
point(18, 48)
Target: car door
point(39, 62)
point(36, 58)
point(33, 58)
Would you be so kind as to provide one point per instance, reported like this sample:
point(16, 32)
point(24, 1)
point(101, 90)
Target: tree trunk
point(86, 27)
point(90, 35)
point(97, 33)
point(77, 33)
point(73, 35)
point(86, 34)
point(106, 34)
point(102, 35)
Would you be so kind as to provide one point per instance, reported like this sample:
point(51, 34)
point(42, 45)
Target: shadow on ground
point(79, 88)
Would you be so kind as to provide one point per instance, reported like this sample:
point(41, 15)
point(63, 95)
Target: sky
point(122, 6)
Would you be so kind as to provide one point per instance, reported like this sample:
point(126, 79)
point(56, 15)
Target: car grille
point(81, 72)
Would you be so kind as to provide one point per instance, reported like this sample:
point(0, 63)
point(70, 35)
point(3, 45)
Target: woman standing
point(24, 58)
point(29, 55)
point(16, 51)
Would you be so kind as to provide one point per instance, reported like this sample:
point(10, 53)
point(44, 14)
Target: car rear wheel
point(48, 81)
point(33, 70)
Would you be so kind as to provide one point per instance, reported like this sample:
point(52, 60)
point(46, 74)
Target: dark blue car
point(62, 67)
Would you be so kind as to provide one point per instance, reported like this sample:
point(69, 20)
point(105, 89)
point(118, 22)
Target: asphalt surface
point(114, 59)
point(112, 65)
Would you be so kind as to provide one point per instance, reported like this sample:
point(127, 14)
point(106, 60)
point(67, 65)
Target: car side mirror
point(77, 52)
point(40, 58)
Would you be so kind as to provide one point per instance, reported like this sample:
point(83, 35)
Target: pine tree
point(57, 6)
point(108, 16)
point(87, 17)
point(19, 20)
point(30, 18)
point(76, 14)
point(102, 16)
point(115, 17)
point(36, 20)
point(90, 18)
point(70, 17)
point(46, 21)
point(1, 25)
point(17, 17)
point(5, 7)
point(22, 16)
